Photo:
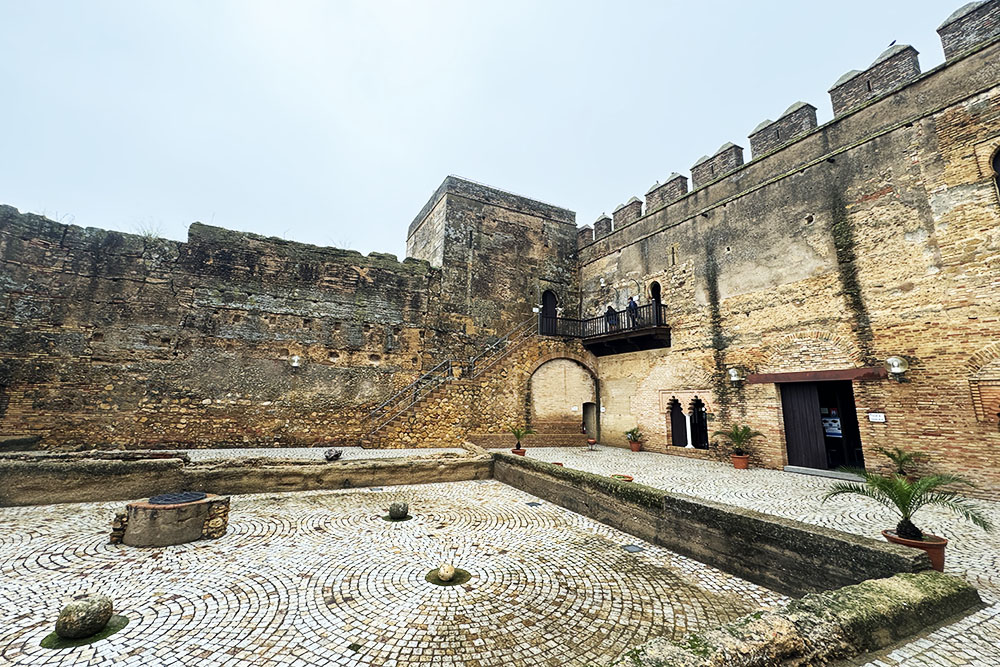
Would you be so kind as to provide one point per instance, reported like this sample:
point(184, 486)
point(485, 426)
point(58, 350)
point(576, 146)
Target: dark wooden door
point(548, 315)
point(803, 427)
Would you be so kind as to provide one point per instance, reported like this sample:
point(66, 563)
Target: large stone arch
point(558, 387)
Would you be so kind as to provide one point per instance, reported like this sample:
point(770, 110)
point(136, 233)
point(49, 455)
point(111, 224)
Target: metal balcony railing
point(649, 316)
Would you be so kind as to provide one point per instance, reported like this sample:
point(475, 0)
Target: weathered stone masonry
point(876, 234)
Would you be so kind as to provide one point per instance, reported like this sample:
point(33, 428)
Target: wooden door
point(803, 427)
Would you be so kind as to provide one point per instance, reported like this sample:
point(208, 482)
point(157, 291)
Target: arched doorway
point(996, 171)
point(563, 398)
point(654, 296)
point(547, 319)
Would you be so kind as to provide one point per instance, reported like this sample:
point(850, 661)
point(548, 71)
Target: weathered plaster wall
point(557, 387)
point(877, 234)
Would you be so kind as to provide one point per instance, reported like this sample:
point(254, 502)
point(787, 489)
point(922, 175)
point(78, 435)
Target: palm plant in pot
point(903, 460)
point(740, 439)
point(905, 497)
point(634, 437)
point(519, 432)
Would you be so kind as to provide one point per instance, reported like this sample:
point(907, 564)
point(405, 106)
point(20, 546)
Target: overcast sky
point(332, 122)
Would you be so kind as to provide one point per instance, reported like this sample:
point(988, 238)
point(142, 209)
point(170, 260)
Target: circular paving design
point(320, 578)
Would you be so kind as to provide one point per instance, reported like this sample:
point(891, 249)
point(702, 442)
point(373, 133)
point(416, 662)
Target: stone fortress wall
point(834, 248)
point(111, 339)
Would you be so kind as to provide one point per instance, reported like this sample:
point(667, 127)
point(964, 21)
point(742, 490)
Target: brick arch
point(816, 340)
point(982, 357)
point(563, 355)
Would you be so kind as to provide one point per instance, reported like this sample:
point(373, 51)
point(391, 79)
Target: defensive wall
point(835, 247)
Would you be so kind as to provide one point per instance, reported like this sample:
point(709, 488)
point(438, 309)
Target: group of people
point(631, 309)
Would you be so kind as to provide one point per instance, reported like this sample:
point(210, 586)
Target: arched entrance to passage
point(562, 390)
point(547, 323)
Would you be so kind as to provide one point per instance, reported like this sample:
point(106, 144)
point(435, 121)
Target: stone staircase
point(434, 410)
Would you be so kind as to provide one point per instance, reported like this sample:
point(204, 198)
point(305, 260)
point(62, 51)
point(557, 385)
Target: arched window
point(699, 424)
point(678, 425)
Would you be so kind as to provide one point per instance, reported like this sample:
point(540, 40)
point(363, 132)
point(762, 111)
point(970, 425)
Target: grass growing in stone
point(54, 641)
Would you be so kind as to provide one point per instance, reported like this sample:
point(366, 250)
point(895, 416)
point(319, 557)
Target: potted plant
point(634, 437)
point(903, 461)
point(519, 432)
point(905, 497)
point(740, 439)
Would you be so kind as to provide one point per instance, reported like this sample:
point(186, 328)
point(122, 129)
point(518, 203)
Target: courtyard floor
point(319, 578)
point(972, 553)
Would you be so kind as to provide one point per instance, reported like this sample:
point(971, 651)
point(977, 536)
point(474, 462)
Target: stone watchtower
point(499, 253)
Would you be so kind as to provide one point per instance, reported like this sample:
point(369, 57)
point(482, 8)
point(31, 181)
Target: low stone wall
point(42, 480)
point(819, 628)
point(784, 555)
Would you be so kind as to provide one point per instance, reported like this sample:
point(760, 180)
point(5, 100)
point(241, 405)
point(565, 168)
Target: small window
point(869, 84)
point(777, 134)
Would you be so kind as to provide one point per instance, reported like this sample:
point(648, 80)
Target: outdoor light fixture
point(536, 309)
point(734, 375)
point(602, 282)
point(896, 367)
point(294, 361)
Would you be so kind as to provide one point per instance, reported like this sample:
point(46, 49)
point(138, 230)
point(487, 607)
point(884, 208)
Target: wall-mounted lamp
point(603, 283)
point(734, 375)
point(896, 367)
point(294, 362)
point(536, 309)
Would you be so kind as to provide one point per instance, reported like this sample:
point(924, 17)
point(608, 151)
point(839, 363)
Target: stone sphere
point(446, 572)
point(398, 511)
point(332, 454)
point(86, 615)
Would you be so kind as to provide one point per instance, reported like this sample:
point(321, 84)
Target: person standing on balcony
point(611, 318)
point(633, 312)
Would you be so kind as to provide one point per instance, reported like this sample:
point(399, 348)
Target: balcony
point(613, 334)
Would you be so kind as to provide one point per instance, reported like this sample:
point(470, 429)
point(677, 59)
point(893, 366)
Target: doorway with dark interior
point(654, 297)
point(547, 318)
point(590, 421)
point(821, 425)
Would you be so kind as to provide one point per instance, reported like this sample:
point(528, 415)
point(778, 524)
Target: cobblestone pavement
point(971, 553)
point(319, 578)
point(313, 453)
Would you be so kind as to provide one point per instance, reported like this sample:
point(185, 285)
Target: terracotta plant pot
point(932, 544)
point(557, 464)
point(519, 452)
point(622, 478)
point(591, 441)
point(740, 461)
point(634, 446)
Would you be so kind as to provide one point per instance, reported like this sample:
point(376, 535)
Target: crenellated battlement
point(969, 28)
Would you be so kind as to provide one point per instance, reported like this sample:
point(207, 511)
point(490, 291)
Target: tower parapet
point(584, 236)
point(661, 195)
point(896, 66)
point(627, 213)
point(728, 158)
point(969, 26)
point(796, 120)
point(602, 226)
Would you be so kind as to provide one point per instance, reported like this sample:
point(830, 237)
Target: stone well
point(155, 524)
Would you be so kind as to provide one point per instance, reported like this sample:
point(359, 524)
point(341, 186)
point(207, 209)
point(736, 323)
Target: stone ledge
point(818, 628)
point(788, 556)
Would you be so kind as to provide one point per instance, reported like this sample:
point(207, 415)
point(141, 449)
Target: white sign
point(602, 408)
point(574, 408)
point(876, 417)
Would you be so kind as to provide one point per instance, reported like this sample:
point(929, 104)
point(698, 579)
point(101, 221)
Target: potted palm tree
point(634, 437)
point(905, 497)
point(740, 438)
point(903, 460)
point(519, 432)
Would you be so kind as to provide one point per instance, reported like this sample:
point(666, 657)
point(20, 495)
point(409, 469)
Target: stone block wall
point(896, 66)
point(602, 227)
point(728, 158)
point(870, 237)
point(969, 26)
point(658, 196)
point(797, 120)
point(627, 213)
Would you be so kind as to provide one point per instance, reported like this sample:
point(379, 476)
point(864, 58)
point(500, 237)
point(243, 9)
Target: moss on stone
point(54, 641)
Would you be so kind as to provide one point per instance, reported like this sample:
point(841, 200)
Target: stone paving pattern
point(971, 553)
point(312, 453)
point(319, 578)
